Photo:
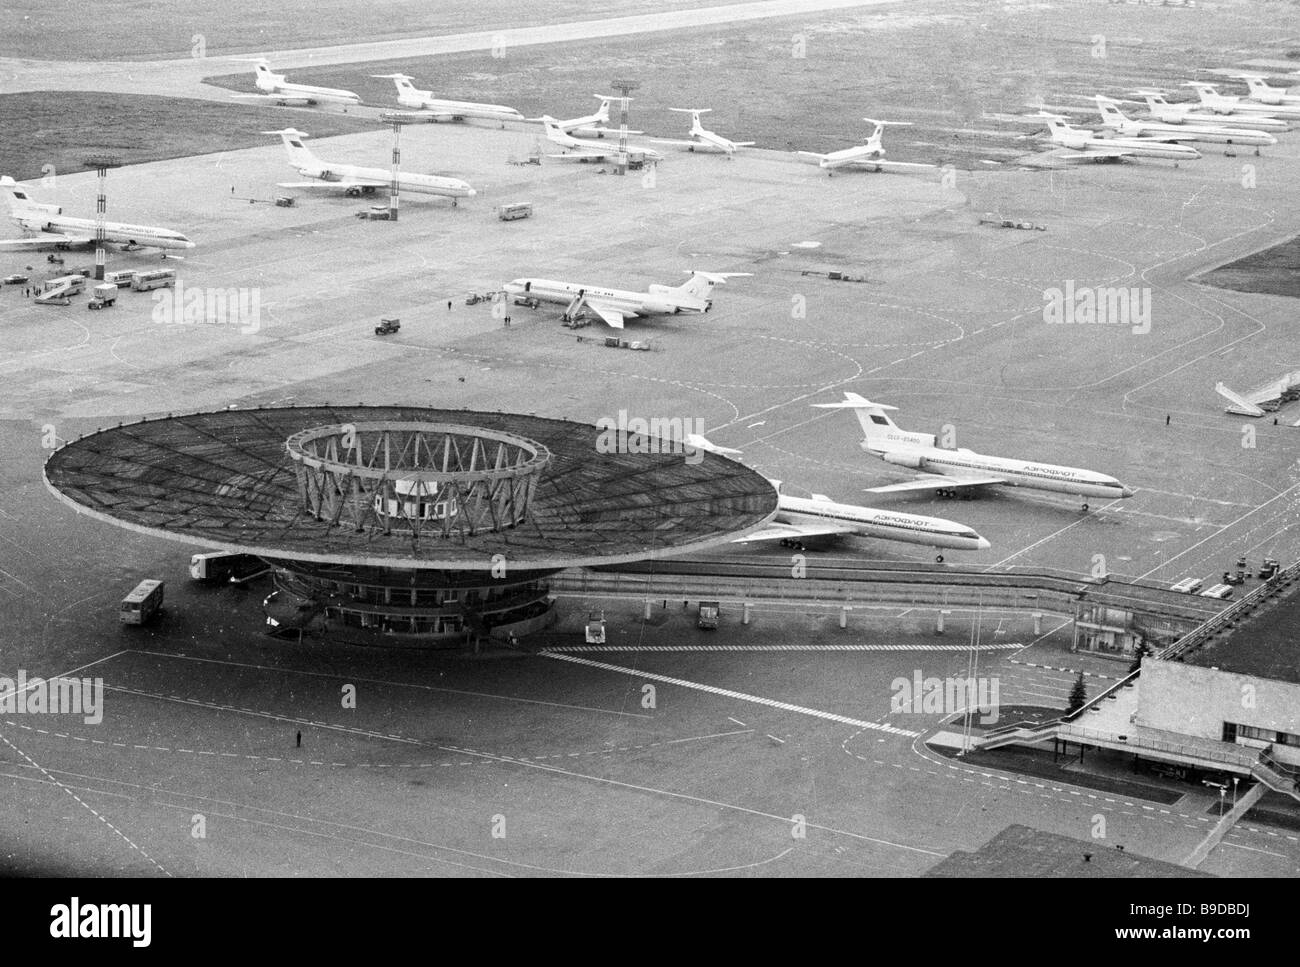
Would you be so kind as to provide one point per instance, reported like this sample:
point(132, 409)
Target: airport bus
point(513, 210)
point(142, 603)
point(1187, 586)
point(1220, 591)
point(120, 277)
point(153, 279)
point(72, 284)
point(226, 566)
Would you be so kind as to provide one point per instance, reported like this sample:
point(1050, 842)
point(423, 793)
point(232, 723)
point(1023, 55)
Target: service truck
point(709, 611)
point(102, 296)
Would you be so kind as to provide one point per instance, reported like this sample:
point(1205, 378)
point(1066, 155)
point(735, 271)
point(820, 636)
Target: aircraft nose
point(470, 192)
point(983, 544)
point(1126, 491)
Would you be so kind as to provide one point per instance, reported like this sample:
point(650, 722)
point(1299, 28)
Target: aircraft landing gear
point(791, 543)
point(938, 558)
point(1085, 506)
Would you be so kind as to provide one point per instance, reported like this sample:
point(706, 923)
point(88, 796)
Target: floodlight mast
point(101, 163)
point(626, 87)
point(396, 121)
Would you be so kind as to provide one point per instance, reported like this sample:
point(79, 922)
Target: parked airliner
point(799, 519)
point(952, 470)
point(356, 180)
point(590, 125)
point(281, 91)
point(616, 305)
point(1116, 120)
point(49, 228)
point(442, 109)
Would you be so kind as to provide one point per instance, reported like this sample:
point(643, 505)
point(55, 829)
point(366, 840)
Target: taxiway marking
point(728, 693)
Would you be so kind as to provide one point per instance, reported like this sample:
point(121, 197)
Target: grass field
point(40, 129)
point(806, 82)
point(1274, 271)
point(795, 83)
point(149, 29)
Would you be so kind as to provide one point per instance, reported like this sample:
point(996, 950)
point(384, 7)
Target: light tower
point(101, 163)
point(396, 120)
point(626, 87)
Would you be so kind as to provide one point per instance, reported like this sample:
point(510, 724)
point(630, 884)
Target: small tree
point(1139, 653)
point(1078, 695)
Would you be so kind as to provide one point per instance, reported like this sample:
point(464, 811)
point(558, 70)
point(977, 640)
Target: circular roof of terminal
point(226, 480)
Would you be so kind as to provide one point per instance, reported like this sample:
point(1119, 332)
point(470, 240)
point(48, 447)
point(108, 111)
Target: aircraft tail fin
point(602, 113)
point(553, 130)
point(300, 155)
point(20, 202)
point(1110, 111)
point(700, 285)
point(879, 431)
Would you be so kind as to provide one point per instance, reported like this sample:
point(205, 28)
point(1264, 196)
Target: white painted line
point(728, 693)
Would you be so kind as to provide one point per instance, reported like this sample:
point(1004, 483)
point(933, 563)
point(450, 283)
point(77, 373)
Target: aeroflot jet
point(799, 519)
point(952, 470)
point(1162, 110)
point(356, 180)
point(701, 137)
point(1265, 93)
point(1080, 144)
point(1212, 100)
point(576, 150)
point(48, 228)
point(1116, 120)
point(869, 155)
point(616, 305)
point(440, 109)
point(590, 125)
point(280, 91)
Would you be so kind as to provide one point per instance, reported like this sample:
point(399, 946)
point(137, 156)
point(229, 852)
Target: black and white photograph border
point(650, 439)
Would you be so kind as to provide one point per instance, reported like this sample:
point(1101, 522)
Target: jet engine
point(903, 459)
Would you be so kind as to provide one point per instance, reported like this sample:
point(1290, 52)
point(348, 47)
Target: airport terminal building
point(408, 525)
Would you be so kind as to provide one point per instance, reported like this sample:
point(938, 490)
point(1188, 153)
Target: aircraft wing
point(1099, 153)
point(613, 317)
point(668, 141)
point(352, 183)
point(783, 532)
point(48, 240)
point(938, 481)
point(287, 99)
point(577, 155)
point(813, 154)
point(888, 165)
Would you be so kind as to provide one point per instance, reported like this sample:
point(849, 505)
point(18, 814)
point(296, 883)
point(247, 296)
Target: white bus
point(1220, 591)
point(142, 603)
point(153, 279)
point(512, 210)
point(226, 566)
point(122, 278)
point(1188, 586)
